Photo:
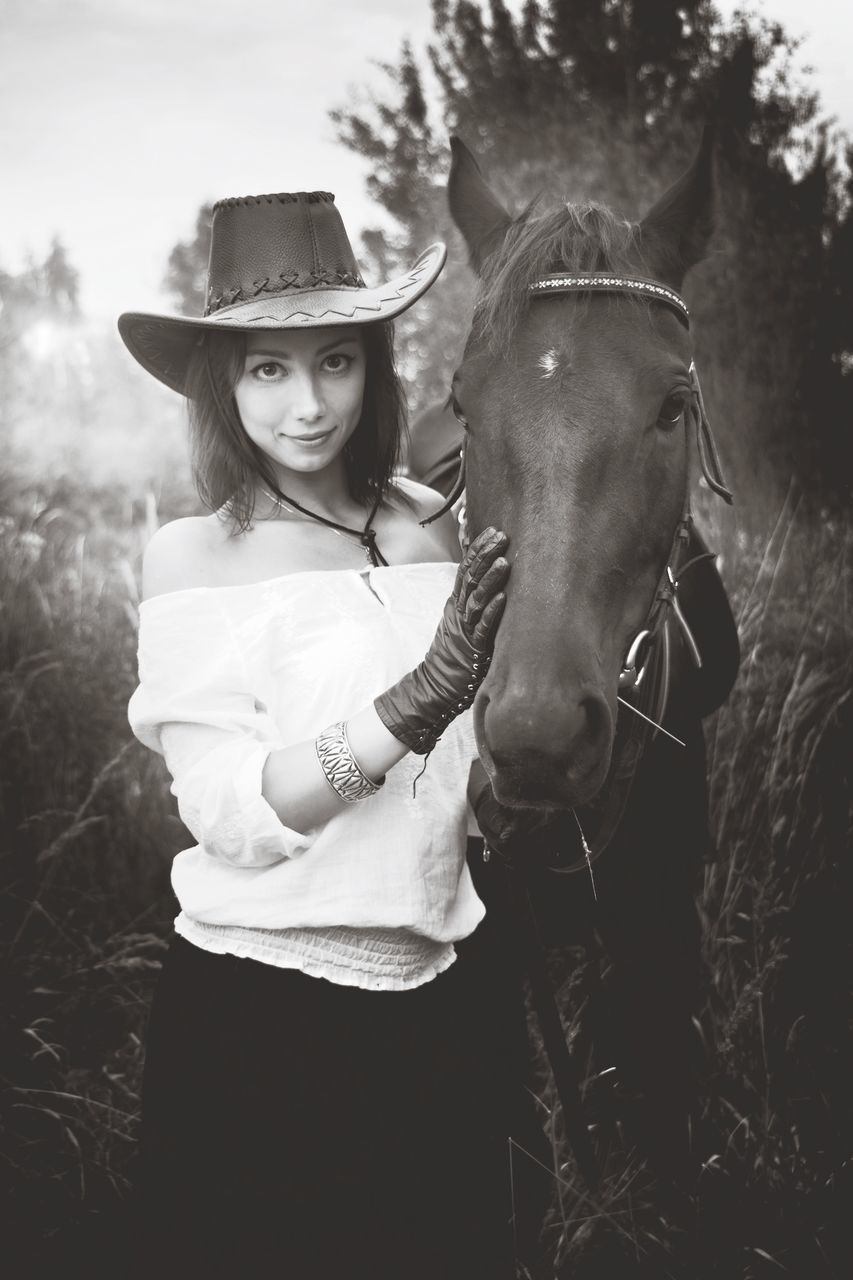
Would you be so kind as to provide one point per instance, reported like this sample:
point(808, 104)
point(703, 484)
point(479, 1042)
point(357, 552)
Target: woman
point(326, 1086)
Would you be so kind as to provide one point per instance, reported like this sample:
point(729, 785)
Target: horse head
point(576, 408)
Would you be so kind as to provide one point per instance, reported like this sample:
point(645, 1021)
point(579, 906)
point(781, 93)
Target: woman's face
point(300, 393)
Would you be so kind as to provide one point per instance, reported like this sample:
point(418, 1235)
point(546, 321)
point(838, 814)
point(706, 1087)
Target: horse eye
point(672, 409)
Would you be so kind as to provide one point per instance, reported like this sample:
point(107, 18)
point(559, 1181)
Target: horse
point(577, 402)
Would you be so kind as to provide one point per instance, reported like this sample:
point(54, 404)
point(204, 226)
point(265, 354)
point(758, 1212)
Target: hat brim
point(163, 344)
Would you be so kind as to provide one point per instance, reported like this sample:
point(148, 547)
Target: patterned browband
point(603, 282)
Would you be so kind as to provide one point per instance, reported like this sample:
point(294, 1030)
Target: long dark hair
point(227, 465)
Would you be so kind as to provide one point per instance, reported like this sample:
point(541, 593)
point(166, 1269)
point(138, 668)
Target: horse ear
point(676, 230)
point(475, 209)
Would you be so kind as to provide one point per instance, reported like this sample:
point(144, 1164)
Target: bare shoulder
point(181, 554)
point(425, 502)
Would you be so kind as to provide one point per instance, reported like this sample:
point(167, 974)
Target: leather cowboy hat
point(276, 262)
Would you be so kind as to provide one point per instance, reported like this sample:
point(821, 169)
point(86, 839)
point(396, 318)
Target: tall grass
point(86, 836)
point(88, 830)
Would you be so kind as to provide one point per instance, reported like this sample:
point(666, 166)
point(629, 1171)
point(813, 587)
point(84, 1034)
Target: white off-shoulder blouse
point(376, 896)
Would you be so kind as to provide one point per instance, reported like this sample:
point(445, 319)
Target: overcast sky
point(118, 118)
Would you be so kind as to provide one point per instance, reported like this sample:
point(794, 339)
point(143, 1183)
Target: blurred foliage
point(45, 290)
point(74, 404)
point(186, 276)
point(591, 99)
point(42, 286)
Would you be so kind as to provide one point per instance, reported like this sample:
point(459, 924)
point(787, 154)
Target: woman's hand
point(466, 633)
point(417, 708)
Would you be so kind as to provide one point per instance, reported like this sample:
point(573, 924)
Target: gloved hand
point(417, 708)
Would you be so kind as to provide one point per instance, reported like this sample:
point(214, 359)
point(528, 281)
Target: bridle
point(647, 666)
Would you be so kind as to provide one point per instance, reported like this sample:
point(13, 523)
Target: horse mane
point(573, 238)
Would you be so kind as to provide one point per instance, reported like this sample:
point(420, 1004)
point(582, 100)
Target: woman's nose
point(308, 404)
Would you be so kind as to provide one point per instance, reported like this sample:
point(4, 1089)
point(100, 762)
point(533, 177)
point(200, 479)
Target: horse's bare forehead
point(562, 340)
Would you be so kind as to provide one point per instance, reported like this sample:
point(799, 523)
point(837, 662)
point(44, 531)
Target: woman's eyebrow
point(331, 346)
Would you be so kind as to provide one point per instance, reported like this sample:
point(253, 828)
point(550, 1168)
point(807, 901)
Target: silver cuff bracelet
point(341, 767)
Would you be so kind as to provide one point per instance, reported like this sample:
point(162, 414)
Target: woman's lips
point(315, 439)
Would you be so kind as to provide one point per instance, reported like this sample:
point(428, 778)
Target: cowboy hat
point(276, 262)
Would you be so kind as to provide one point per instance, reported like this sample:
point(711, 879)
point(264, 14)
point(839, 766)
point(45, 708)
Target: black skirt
point(297, 1128)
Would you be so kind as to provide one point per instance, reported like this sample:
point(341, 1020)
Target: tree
point(43, 290)
point(60, 279)
point(187, 269)
point(594, 99)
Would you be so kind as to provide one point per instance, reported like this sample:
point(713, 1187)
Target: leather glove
point(417, 708)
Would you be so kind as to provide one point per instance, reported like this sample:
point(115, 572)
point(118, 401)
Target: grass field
point(88, 830)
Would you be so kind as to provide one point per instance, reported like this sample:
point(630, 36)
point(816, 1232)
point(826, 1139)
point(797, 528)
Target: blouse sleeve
point(194, 707)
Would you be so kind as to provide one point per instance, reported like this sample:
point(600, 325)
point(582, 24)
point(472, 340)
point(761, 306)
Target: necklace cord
point(366, 536)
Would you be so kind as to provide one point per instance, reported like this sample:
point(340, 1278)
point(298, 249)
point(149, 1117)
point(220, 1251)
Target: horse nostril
point(481, 703)
point(542, 750)
point(586, 726)
point(597, 729)
point(518, 720)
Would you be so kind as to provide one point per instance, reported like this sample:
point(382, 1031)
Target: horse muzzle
point(543, 752)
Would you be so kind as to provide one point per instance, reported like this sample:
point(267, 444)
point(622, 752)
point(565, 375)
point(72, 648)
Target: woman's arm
point(295, 786)
point(293, 783)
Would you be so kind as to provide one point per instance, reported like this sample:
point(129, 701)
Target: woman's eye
point(267, 372)
point(672, 409)
point(337, 362)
